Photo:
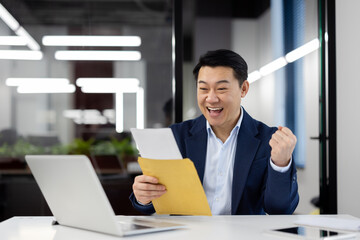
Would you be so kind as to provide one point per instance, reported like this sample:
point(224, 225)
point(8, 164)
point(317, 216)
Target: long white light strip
point(12, 41)
point(32, 44)
point(98, 55)
point(302, 51)
point(273, 66)
point(119, 106)
point(108, 85)
point(38, 82)
point(253, 76)
point(140, 108)
point(21, 55)
point(109, 89)
point(100, 41)
point(70, 88)
point(8, 18)
point(113, 82)
point(281, 62)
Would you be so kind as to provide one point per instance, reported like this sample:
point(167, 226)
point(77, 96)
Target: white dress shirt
point(219, 167)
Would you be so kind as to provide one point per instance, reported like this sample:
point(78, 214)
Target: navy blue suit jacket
point(257, 188)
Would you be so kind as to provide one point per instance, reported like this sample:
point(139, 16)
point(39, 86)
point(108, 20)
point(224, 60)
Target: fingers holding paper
point(147, 188)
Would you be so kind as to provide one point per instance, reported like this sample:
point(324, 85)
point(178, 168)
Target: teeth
point(214, 109)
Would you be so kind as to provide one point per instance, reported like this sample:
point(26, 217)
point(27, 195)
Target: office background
point(258, 30)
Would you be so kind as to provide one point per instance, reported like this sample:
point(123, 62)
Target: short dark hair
point(224, 58)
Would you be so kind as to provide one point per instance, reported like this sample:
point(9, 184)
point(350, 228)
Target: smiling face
point(219, 97)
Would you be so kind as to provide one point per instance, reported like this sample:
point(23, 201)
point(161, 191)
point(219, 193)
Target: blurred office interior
point(81, 96)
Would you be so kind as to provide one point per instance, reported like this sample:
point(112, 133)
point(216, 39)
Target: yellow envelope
point(185, 194)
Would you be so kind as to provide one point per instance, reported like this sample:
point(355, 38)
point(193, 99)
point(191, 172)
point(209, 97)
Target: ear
point(244, 88)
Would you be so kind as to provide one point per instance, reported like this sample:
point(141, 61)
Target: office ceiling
point(131, 12)
point(90, 12)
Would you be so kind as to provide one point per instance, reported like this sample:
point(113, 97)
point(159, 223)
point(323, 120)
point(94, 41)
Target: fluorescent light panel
point(109, 89)
point(12, 41)
point(32, 44)
point(100, 41)
point(253, 76)
point(8, 18)
point(302, 51)
point(140, 108)
point(87, 55)
point(70, 88)
point(108, 85)
point(119, 126)
point(21, 55)
point(114, 82)
point(273, 66)
point(38, 82)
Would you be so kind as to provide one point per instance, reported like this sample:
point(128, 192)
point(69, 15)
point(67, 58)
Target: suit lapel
point(196, 145)
point(247, 145)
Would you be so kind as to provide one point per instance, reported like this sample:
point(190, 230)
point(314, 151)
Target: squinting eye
point(221, 89)
point(203, 89)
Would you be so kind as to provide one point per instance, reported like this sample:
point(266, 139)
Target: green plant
point(80, 146)
point(5, 150)
point(59, 149)
point(124, 147)
point(22, 148)
point(103, 148)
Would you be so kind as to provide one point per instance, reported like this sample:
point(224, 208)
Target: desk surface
point(197, 227)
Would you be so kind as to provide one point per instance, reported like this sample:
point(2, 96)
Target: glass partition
point(75, 77)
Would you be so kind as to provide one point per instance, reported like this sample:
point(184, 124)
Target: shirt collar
point(234, 130)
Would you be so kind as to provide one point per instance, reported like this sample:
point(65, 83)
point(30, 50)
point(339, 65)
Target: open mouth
point(214, 110)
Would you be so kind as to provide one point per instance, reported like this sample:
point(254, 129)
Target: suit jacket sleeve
point(281, 192)
point(146, 209)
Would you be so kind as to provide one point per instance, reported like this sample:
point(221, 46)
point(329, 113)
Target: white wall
point(348, 106)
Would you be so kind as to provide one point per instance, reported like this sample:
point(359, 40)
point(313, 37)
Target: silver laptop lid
point(73, 192)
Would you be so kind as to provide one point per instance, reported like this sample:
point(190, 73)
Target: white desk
point(198, 227)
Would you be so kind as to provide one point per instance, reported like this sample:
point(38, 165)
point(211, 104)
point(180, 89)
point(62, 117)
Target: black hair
point(224, 58)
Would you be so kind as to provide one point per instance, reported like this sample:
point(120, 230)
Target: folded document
point(185, 194)
point(161, 158)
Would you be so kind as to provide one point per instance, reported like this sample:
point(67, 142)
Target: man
point(245, 166)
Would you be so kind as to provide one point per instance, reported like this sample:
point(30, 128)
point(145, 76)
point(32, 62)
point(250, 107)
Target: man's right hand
point(147, 188)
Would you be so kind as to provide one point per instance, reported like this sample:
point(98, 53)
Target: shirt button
point(216, 199)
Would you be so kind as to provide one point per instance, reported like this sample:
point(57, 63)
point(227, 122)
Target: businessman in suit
point(245, 166)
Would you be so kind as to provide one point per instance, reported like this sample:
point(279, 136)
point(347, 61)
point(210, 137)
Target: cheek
point(200, 98)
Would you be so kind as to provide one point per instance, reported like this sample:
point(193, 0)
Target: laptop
point(76, 198)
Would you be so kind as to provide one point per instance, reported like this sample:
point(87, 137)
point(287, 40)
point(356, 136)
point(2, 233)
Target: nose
point(212, 97)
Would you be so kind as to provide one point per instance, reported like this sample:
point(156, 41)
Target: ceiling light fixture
point(8, 18)
point(100, 41)
point(32, 44)
point(108, 85)
point(253, 76)
point(38, 82)
point(88, 55)
point(70, 88)
point(21, 55)
point(12, 41)
point(273, 66)
point(302, 51)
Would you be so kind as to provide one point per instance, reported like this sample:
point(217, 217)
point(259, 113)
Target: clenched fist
point(282, 145)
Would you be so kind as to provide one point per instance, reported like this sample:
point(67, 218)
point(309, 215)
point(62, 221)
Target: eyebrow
point(218, 82)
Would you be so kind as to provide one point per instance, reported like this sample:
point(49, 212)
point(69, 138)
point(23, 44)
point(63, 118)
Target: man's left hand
point(282, 142)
